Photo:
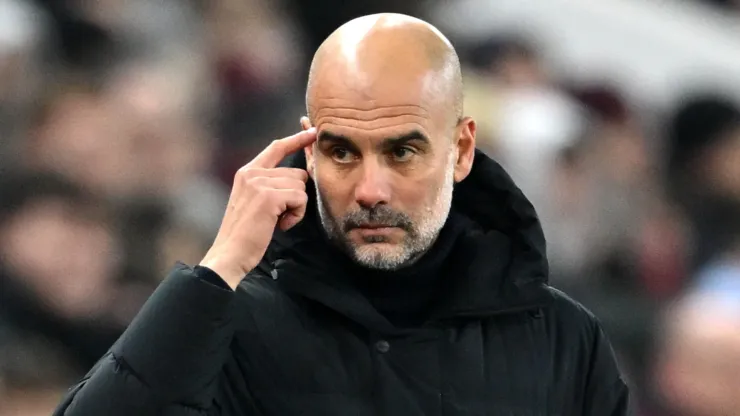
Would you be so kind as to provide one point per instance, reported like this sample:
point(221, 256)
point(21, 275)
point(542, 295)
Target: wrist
point(230, 274)
point(207, 275)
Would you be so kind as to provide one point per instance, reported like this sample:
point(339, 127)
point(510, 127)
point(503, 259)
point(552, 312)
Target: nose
point(374, 187)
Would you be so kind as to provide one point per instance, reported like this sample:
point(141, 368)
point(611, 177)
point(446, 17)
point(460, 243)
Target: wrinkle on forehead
point(370, 111)
point(368, 115)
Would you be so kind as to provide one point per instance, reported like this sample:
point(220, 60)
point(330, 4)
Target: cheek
point(336, 191)
point(416, 197)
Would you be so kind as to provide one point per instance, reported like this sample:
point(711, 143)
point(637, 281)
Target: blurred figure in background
point(698, 359)
point(696, 372)
point(58, 256)
point(21, 42)
point(704, 171)
point(531, 119)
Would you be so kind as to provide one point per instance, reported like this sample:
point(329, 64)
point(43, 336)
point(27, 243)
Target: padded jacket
point(293, 340)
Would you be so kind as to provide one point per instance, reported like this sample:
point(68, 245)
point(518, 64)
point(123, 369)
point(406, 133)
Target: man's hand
point(262, 197)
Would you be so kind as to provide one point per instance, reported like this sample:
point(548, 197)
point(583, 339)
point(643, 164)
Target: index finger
point(279, 149)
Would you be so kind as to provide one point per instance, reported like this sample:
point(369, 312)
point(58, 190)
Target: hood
point(507, 268)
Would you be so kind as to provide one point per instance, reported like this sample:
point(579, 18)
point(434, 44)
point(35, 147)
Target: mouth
point(374, 226)
point(374, 231)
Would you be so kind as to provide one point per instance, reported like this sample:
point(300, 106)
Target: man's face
point(389, 147)
point(384, 172)
point(49, 241)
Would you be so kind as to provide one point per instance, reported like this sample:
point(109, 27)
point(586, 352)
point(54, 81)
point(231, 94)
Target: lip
point(375, 230)
point(374, 226)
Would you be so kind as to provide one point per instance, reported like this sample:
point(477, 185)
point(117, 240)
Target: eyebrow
point(326, 136)
point(390, 142)
point(413, 136)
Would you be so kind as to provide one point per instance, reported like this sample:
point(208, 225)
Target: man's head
point(385, 94)
point(58, 241)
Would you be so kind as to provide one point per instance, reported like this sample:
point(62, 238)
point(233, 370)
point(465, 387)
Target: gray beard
point(418, 239)
point(420, 235)
point(337, 231)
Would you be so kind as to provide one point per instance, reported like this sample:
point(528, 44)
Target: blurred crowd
point(122, 124)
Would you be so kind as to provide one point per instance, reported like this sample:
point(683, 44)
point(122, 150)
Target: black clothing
point(298, 336)
point(405, 297)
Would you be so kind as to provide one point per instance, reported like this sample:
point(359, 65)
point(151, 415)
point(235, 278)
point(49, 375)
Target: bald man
point(374, 263)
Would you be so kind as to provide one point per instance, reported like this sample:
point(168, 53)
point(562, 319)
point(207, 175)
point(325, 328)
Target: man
point(49, 228)
point(407, 275)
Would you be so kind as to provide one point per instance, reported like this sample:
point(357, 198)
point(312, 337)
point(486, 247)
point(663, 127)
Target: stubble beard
point(375, 253)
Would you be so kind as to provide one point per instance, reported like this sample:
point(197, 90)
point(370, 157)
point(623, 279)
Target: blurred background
point(123, 122)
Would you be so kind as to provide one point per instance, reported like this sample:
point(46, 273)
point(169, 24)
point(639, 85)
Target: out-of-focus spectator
point(699, 355)
point(21, 44)
point(699, 358)
point(605, 215)
point(169, 148)
point(33, 375)
point(58, 263)
point(74, 135)
point(255, 47)
point(533, 119)
point(704, 170)
point(607, 180)
point(150, 27)
point(257, 55)
point(134, 138)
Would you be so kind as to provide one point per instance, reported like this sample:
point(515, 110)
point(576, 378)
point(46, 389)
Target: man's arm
point(606, 392)
point(168, 358)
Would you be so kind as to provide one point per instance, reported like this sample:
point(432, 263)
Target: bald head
point(369, 58)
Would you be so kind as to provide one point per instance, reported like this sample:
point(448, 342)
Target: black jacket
point(294, 341)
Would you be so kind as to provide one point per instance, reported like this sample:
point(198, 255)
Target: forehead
point(370, 115)
point(359, 102)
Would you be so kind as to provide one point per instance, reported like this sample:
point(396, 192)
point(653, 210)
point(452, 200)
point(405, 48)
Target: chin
point(381, 256)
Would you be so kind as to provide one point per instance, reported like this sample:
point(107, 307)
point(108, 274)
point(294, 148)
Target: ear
point(308, 150)
point(465, 144)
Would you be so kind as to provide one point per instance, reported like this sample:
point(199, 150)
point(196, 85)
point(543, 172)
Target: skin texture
point(385, 96)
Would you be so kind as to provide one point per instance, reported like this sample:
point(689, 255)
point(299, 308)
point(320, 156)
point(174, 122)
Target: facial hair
point(420, 234)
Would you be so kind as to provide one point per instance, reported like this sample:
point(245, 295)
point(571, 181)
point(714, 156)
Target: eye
point(403, 153)
point(341, 154)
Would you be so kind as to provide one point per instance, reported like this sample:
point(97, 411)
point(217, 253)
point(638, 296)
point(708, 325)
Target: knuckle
point(254, 184)
point(273, 201)
point(267, 193)
point(265, 197)
point(259, 189)
point(244, 172)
